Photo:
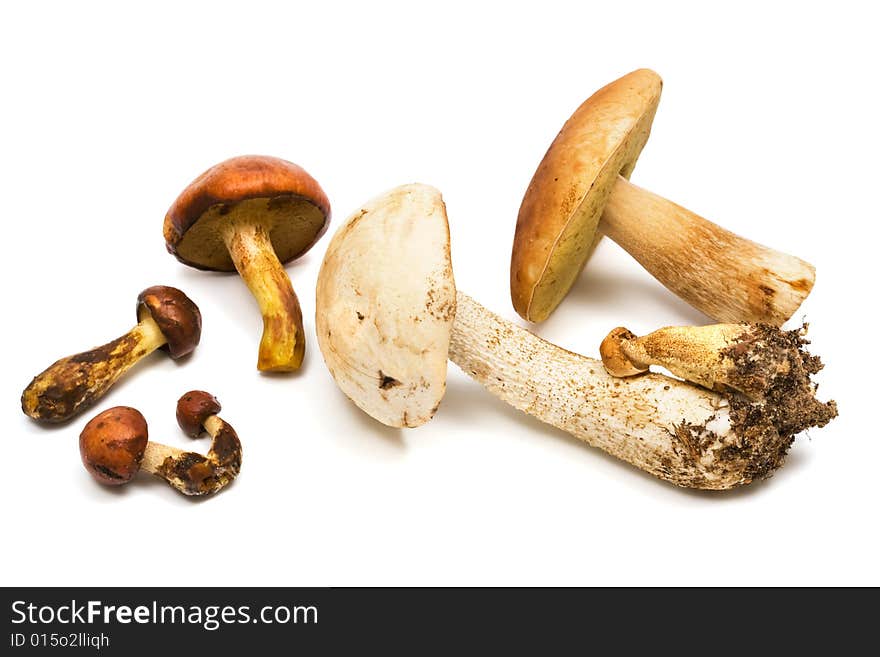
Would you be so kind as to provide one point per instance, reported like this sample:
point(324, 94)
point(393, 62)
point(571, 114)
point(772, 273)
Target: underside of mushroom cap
point(561, 209)
point(255, 189)
point(386, 303)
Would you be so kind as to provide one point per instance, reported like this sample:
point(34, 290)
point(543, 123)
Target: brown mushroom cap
point(557, 222)
point(193, 408)
point(176, 315)
point(112, 445)
point(270, 191)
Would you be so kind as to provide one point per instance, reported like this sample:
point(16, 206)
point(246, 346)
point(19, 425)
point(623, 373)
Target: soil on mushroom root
point(774, 369)
point(776, 365)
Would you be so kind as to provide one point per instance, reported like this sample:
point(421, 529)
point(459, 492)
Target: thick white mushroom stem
point(74, 383)
point(725, 276)
point(282, 345)
point(192, 473)
point(679, 432)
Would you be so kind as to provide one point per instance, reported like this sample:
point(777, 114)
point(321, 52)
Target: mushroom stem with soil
point(387, 325)
point(252, 214)
point(581, 191)
point(167, 319)
point(750, 359)
point(114, 446)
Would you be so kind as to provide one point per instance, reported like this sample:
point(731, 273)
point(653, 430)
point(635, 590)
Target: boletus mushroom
point(114, 446)
point(751, 360)
point(386, 327)
point(254, 214)
point(581, 191)
point(167, 319)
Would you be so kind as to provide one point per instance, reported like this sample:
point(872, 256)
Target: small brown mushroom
point(167, 319)
point(254, 214)
point(114, 446)
point(581, 190)
point(194, 409)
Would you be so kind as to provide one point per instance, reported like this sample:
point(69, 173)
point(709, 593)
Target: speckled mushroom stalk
point(167, 319)
point(282, 344)
point(581, 190)
point(386, 336)
point(114, 446)
point(252, 214)
point(723, 275)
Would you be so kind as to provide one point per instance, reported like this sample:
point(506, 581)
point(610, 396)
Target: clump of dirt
point(774, 369)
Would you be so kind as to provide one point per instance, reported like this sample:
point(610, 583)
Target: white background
point(767, 125)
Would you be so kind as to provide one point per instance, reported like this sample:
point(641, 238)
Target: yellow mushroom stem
point(283, 343)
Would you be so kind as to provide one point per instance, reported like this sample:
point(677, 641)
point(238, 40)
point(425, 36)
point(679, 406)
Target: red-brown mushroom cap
point(273, 192)
point(177, 316)
point(112, 445)
point(193, 408)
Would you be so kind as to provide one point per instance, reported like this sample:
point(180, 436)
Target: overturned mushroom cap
point(384, 325)
point(563, 204)
point(112, 445)
point(176, 316)
point(269, 191)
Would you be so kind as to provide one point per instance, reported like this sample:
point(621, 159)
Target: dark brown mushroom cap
point(178, 318)
point(273, 192)
point(112, 445)
point(193, 408)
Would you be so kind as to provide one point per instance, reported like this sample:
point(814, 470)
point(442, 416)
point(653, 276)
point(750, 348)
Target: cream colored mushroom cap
point(386, 303)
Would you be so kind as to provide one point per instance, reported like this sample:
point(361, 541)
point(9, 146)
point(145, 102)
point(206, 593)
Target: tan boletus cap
point(560, 213)
point(253, 214)
point(581, 190)
point(386, 303)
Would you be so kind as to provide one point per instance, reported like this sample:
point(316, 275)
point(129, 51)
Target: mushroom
point(167, 318)
point(753, 360)
point(114, 446)
point(580, 191)
point(387, 325)
point(254, 214)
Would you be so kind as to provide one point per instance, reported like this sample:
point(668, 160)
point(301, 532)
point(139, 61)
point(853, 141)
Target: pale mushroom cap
point(559, 215)
point(386, 303)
